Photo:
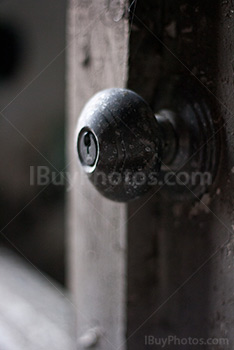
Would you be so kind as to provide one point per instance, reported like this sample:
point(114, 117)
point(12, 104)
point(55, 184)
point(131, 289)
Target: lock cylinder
point(87, 147)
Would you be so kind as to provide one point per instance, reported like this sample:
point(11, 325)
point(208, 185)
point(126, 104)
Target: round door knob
point(122, 144)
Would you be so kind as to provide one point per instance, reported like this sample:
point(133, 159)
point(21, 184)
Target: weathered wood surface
point(181, 282)
point(97, 59)
point(179, 253)
point(35, 312)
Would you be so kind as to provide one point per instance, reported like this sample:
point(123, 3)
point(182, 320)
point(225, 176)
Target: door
point(159, 270)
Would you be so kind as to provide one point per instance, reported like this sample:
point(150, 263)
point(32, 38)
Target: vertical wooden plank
point(97, 59)
point(180, 257)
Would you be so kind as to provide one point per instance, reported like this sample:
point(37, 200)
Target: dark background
point(32, 71)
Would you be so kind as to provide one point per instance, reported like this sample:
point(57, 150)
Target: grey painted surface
point(97, 59)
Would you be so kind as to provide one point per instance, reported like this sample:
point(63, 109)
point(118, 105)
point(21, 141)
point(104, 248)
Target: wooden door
point(159, 266)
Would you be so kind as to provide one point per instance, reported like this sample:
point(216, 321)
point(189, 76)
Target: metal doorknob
point(124, 147)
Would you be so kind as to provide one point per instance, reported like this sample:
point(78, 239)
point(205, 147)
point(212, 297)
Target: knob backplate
point(197, 158)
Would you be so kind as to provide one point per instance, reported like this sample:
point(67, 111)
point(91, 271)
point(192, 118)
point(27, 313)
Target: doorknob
point(125, 148)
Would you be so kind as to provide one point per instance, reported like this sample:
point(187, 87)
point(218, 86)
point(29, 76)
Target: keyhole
point(87, 141)
point(87, 147)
